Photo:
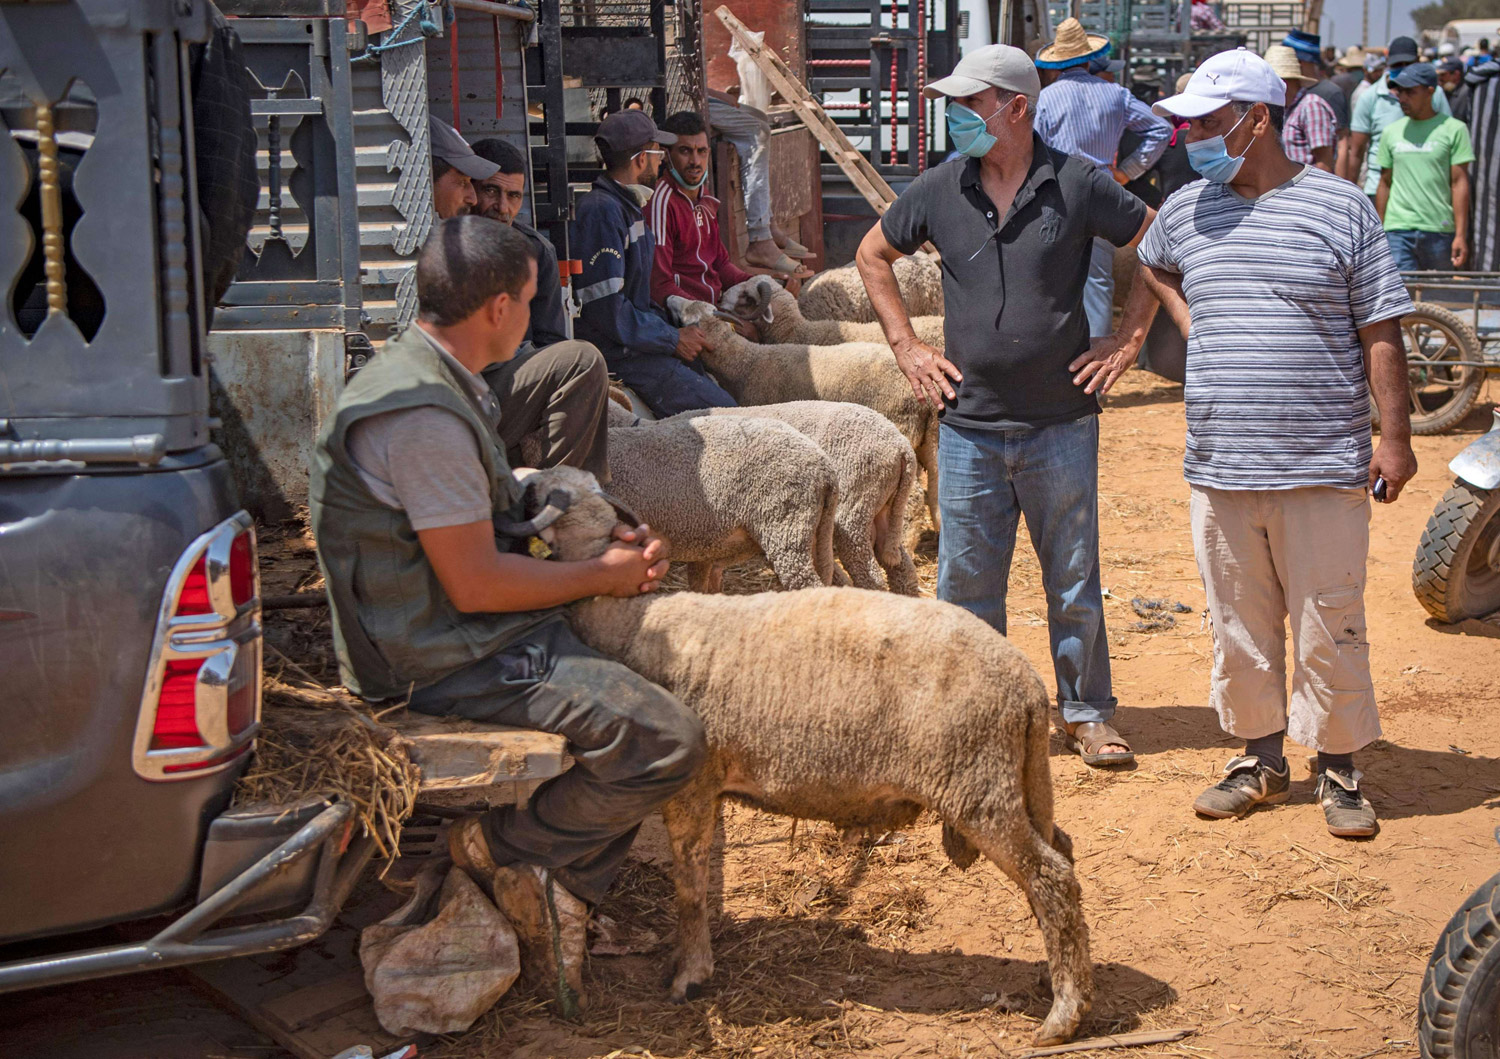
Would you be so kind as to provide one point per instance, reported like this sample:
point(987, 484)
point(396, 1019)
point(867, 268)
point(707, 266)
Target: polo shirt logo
point(1051, 225)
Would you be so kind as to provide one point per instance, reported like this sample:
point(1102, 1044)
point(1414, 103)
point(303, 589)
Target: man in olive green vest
point(411, 501)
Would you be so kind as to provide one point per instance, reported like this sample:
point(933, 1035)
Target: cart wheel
point(1441, 394)
point(1458, 1010)
point(1456, 574)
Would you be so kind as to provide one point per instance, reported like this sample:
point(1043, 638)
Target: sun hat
point(1238, 76)
point(1307, 45)
point(1353, 58)
point(1072, 45)
point(1182, 82)
point(1283, 60)
point(993, 66)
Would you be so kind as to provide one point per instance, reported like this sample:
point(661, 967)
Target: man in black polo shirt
point(1014, 222)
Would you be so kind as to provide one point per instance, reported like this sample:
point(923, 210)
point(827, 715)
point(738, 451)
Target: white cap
point(1446, 48)
point(1238, 76)
point(993, 66)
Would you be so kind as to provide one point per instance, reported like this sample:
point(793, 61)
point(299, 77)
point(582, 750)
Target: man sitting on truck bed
point(436, 602)
point(553, 384)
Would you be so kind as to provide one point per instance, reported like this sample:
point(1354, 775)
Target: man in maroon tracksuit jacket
point(691, 260)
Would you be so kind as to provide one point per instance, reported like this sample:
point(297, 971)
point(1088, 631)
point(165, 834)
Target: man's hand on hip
point(690, 342)
point(1108, 358)
point(1396, 463)
point(927, 370)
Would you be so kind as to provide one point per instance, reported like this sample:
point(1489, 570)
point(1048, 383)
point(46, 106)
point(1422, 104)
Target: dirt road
point(1268, 935)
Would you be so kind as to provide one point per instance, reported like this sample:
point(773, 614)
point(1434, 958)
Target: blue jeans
point(1099, 289)
point(987, 479)
point(1416, 251)
point(669, 384)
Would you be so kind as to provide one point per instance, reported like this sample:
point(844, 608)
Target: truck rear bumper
point(325, 838)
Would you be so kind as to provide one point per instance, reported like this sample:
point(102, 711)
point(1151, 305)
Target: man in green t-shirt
point(1423, 196)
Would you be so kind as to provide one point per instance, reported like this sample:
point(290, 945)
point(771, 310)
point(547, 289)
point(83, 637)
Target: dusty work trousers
point(559, 392)
point(751, 136)
point(1266, 555)
point(633, 745)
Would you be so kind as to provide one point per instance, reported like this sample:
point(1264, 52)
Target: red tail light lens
point(176, 710)
point(242, 569)
point(193, 599)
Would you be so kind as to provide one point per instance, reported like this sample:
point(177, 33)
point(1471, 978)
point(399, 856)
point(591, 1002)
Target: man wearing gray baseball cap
point(455, 167)
point(1015, 222)
point(1276, 271)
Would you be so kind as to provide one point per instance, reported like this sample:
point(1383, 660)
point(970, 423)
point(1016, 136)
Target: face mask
point(1211, 160)
point(968, 132)
point(678, 177)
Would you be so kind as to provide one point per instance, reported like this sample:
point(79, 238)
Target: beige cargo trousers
point(1269, 555)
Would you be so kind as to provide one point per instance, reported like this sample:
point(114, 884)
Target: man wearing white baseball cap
point(1015, 222)
point(1280, 277)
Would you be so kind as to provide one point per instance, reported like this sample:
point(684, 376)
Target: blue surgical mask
point(678, 177)
point(1211, 159)
point(968, 132)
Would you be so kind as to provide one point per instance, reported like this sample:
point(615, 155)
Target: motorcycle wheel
point(1456, 574)
point(1441, 394)
point(1458, 1014)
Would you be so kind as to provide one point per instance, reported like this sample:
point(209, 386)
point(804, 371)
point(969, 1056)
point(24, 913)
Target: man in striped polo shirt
point(1294, 303)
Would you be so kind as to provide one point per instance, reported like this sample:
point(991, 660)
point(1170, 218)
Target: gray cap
point(629, 131)
point(993, 66)
point(452, 148)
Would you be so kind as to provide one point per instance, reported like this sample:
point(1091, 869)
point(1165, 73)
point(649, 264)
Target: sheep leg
point(705, 577)
point(927, 456)
point(689, 818)
point(1047, 878)
point(892, 554)
point(856, 552)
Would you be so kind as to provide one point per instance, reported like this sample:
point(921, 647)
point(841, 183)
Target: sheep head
point(566, 508)
point(689, 313)
point(751, 300)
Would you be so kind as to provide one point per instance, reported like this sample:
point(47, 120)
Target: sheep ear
point(622, 509)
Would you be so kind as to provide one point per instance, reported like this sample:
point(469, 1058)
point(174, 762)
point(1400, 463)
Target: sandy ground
point(1266, 935)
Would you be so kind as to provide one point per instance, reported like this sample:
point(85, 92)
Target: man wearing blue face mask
point(1281, 279)
point(1015, 222)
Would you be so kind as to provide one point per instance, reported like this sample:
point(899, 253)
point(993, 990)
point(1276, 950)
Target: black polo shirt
point(1014, 293)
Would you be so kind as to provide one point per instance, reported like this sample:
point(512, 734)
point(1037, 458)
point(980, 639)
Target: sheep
point(875, 468)
point(861, 373)
point(726, 490)
point(762, 300)
point(861, 708)
point(839, 293)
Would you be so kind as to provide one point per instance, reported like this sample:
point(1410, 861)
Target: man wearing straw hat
point(1015, 221)
point(1283, 272)
point(1082, 114)
point(1309, 132)
point(1351, 66)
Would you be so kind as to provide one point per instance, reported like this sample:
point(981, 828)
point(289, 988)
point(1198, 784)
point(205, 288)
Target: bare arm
point(1458, 182)
point(1354, 157)
point(1383, 193)
point(1385, 364)
point(928, 371)
point(1141, 231)
point(1110, 356)
point(479, 578)
point(1166, 287)
point(1323, 158)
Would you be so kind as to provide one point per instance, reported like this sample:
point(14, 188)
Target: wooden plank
point(455, 754)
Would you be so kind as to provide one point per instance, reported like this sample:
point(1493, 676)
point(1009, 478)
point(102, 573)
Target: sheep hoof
point(1061, 1023)
point(687, 987)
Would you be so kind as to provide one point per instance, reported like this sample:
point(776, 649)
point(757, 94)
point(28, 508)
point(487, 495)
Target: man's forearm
point(1140, 310)
point(515, 583)
point(1166, 288)
point(885, 295)
point(1385, 361)
point(1461, 206)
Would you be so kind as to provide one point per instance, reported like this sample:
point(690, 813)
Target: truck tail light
point(201, 704)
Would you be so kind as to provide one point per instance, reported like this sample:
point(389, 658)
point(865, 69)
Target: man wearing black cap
point(553, 385)
point(1373, 111)
point(656, 360)
point(1423, 197)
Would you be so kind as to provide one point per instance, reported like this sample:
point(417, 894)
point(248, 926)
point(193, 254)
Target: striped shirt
point(1311, 124)
point(1276, 395)
point(1083, 115)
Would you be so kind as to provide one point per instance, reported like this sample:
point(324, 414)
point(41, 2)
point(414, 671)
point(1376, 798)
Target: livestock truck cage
point(344, 160)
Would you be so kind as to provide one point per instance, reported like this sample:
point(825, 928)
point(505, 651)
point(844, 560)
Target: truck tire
point(1440, 396)
point(1456, 574)
point(1458, 1013)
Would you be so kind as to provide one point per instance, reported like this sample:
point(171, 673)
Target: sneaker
point(1246, 784)
point(550, 923)
point(1348, 812)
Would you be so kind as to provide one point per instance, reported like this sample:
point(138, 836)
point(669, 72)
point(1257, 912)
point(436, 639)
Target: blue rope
point(428, 27)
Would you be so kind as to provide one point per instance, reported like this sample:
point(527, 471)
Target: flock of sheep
point(865, 707)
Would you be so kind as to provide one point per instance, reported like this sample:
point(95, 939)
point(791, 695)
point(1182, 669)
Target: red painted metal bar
point(838, 62)
point(894, 64)
point(920, 102)
point(499, 73)
point(453, 68)
point(846, 106)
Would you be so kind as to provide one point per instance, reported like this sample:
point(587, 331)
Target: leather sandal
point(1086, 738)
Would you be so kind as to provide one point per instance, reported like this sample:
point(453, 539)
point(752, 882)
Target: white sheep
point(876, 467)
point(861, 708)
point(863, 373)
point(728, 489)
point(839, 293)
point(760, 299)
